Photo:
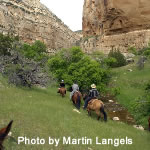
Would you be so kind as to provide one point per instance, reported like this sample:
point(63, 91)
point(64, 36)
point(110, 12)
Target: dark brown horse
point(76, 99)
point(3, 134)
point(97, 106)
point(62, 91)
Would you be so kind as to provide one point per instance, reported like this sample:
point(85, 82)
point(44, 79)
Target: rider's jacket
point(75, 87)
point(93, 93)
point(62, 84)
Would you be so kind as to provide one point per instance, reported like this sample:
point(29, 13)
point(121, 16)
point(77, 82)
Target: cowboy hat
point(93, 86)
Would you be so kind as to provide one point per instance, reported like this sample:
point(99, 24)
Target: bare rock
point(130, 70)
point(111, 101)
point(138, 127)
point(116, 118)
point(31, 20)
point(115, 24)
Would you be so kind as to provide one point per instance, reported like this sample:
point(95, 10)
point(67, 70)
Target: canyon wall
point(31, 20)
point(115, 24)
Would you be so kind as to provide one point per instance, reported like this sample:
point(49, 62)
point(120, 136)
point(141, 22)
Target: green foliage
point(141, 108)
point(147, 53)
point(110, 61)
point(142, 51)
point(115, 91)
point(103, 60)
point(72, 64)
point(35, 51)
point(98, 56)
point(6, 44)
point(147, 86)
point(120, 59)
point(132, 50)
point(134, 88)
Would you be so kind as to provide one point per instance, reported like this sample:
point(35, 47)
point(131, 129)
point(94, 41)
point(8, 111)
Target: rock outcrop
point(31, 21)
point(112, 24)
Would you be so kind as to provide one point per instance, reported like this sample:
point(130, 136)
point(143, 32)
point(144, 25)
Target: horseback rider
point(93, 94)
point(75, 88)
point(62, 84)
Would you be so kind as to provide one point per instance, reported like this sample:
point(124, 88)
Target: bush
point(142, 51)
point(148, 87)
point(23, 72)
point(36, 51)
point(120, 59)
point(6, 44)
point(141, 109)
point(147, 53)
point(132, 50)
point(72, 64)
point(110, 61)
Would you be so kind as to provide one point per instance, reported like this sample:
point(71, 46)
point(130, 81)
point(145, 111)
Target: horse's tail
point(104, 113)
point(78, 100)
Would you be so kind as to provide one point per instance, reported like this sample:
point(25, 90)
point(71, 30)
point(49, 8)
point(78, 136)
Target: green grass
point(43, 113)
point(132, 86)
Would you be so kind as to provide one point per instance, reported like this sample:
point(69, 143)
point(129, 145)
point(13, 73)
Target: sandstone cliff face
point(32, 21)
point(116, 17)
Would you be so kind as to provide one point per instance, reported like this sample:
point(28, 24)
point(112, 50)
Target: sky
point(69, 11)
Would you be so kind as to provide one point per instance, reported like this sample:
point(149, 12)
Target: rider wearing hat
point(62, 84)
point(93, 94)
point(75, 88)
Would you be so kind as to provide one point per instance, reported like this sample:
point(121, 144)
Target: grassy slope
point(43, 113)
point(132, 85)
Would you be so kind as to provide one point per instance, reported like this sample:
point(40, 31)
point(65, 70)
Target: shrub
point(147, 52)
point(148, 86)
point(78, 67)
point(6, 44)
point(142, 51)
point(110, 61)
point(35, 51)
point(120, 59)
point(115, 91)
point(141, 108)
point(23, 72)
point(132, 50)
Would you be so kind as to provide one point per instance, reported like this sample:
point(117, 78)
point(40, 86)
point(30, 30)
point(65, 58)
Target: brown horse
point(97, 106)
point(62, 91)
point(149, 123)
point(76, 99)
point(3, 133)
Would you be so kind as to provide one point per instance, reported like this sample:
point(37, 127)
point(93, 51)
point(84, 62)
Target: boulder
point(116, 118)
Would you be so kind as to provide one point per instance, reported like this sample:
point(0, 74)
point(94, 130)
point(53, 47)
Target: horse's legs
point(98, 117)
point(98, 114)
point(58, 90)
point(78, 102)
point(104, 113)
point(89, 112)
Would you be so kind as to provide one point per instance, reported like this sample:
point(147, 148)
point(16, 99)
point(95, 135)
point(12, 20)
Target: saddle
point(75, 92)
point(92, 100)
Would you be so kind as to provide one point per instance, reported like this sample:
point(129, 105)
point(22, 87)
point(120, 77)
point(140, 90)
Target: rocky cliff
point(116, 24)
point(32, 21)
